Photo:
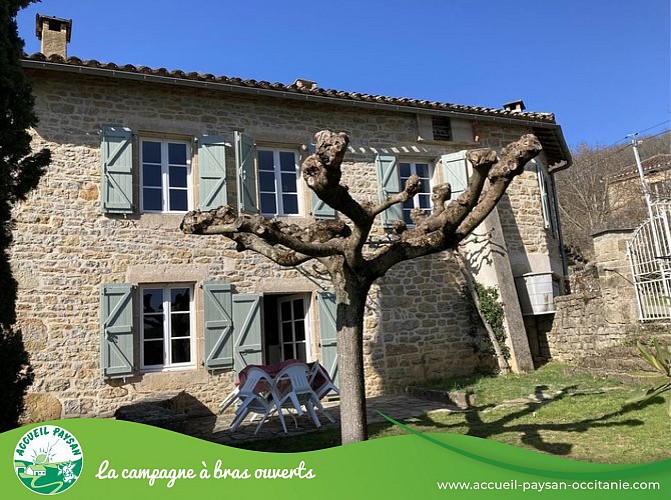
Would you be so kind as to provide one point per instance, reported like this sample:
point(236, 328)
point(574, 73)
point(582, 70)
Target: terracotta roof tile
point(650, 166)
point(340, 94)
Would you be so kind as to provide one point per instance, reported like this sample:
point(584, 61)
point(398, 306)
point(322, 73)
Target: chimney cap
point(515, 106)
point(40, 19)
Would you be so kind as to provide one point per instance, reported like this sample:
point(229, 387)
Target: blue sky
point(602, 66)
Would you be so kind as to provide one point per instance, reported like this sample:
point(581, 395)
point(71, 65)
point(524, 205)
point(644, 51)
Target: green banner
point(110, 459)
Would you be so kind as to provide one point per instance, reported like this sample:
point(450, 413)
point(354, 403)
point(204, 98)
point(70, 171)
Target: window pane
point(178, 200)
point(298, 309)
point(299, 327)
point(180, 325)
point(151, 175)
point(406, 217)
point(404, 169)
point(151, 152)
point(180, 299)
point(153, 326)
point(287, 332)
point(288, 351)
point(287, 161)
point(424, 201)
point(289, 183)
point(152, 300)
point(422, 169)
point(268, 203)
point(153, 353)
point(426, 188)
point(300, 352)
point(181, 350)
point(177, 154)
point(265, 160)
point(290, 203)
point(267, 181)
point(285, 311)
point(151, 199)
point(177, 177)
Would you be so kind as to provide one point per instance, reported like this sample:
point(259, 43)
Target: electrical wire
point(612, 153)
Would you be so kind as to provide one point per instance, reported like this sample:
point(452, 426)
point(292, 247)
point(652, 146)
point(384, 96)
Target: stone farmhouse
point(116, 304)
point(625, 191)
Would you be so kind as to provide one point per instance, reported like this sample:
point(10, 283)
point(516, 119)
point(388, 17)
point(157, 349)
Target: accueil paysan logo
point(48, 460)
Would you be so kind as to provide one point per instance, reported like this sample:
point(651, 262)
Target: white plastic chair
point(252, 401)
point(230, 399)
point(294, 391)
point(326, 385)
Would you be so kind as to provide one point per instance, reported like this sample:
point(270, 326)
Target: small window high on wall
point(442, 128)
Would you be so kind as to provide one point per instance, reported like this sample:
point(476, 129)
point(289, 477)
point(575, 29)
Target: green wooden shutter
point(116, 153)
point(320, 209)
point(218, 319)
point(455, 171)
point(246, 173)
point(328, 333)
point(544, 194)
point(388, 183)
point(212, 171)
point(246, 330)
point(116, 330)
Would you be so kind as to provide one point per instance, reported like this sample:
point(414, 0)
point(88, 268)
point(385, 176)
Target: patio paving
point(215, 428)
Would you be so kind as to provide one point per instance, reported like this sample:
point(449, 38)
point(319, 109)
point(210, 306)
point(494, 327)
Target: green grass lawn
point(555, 410)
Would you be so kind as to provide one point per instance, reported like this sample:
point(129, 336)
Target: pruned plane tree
point(341, 245)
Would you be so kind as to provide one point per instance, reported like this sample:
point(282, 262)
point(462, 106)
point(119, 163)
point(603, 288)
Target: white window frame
point(165, 176)
point(413, 171)
point(306, 325)
point(277, 172)
point(167, 345)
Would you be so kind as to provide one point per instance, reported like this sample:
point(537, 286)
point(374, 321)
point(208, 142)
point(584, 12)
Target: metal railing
point(650, 257)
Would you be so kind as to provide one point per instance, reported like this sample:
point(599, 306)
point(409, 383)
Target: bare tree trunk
point(470, 283)
point(351, 296)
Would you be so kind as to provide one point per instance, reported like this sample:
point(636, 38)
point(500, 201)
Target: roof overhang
point(548, 132)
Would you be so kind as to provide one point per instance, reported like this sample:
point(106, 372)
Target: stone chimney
point(515, 106)
point(54, 33)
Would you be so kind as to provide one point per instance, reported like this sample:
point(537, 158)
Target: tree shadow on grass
point(531, 434)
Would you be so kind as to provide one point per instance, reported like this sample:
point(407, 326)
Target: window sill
point(168, 369)
point(167, 220)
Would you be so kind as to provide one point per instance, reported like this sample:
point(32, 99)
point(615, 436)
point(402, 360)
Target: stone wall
point(588, 323)
point(65, 248)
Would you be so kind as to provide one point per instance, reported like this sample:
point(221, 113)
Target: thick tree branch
point(319, 239)
point(282, 256)
point(445, 228)
point(412, 186)
point(448, 218)
point(321, 171)
point(513, 158)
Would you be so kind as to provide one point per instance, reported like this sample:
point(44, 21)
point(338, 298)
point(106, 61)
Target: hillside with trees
point(585, 203)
